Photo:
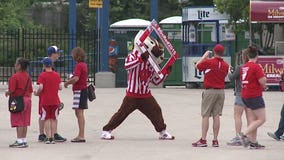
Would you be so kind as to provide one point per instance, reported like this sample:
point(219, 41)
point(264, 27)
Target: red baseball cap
point(219, 48)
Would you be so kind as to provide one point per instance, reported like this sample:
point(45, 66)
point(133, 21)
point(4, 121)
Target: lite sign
point(267, 11)
point(202, 14)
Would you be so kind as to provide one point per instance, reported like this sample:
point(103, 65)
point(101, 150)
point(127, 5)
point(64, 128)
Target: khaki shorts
point(212, 102)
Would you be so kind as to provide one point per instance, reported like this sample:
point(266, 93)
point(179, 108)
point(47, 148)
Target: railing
point(33, 43)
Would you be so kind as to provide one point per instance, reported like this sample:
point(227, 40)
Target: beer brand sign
point(272, 67)
point(267, 11)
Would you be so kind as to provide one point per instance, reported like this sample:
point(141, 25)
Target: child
point(21, 84)
point(49, 84)
point(79, 82)
point(53, 53)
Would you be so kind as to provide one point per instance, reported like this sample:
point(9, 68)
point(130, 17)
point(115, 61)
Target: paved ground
point(136, 138)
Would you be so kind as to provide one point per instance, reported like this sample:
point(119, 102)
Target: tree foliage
point(238, 11)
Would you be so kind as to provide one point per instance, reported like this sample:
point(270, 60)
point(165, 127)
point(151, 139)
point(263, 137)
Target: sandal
point(77, 140)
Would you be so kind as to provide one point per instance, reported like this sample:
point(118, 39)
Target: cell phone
point(211, 54)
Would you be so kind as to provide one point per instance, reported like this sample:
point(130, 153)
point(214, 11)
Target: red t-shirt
point(81, 70)
point(50, 82)
point(250, 74)
point(215, 71)
point(17, 84)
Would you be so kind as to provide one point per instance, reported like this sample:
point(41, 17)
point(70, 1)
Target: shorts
point(239, 101)
point(49, 112)
point(80, 99)
point(212, 102)
point(22, 119)
point(254, 103)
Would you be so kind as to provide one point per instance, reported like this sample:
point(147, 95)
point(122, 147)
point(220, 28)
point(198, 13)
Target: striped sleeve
point(132, 60)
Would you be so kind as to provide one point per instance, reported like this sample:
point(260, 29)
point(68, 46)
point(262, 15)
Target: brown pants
point(148, 106)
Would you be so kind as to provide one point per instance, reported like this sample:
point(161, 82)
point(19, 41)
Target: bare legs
point(81, 123)
point(205, 126)
point(238, 112)
point(255, 119)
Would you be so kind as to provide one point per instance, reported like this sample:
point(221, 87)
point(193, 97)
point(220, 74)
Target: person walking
point(215, 70)
point(80, 99)
point(239, 106)
point(278, 134)
point(20, 84)
point(253, 82)
point(53, 53)
point(49, 84)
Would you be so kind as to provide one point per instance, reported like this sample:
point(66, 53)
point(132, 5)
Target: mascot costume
point(140, 73)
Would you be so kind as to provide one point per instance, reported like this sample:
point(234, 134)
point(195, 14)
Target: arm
point(234, 75)
point(38, 91)
point(73, 80)
point(262, 81)
point(134, 59)
point(157, 80)
point(204, 57)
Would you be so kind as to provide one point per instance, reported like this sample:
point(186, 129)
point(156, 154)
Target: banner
point(267, 11)
point(272, 67)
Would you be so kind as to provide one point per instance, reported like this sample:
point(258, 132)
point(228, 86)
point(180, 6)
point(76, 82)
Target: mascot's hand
point(169, 69)
point(145, 56)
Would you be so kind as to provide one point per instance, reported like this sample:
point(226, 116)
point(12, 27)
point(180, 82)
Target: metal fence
point(33, 43)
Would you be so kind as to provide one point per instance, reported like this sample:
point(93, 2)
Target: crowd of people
point(249, 80)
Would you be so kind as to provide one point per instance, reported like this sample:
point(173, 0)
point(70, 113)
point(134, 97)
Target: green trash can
point(172, 29)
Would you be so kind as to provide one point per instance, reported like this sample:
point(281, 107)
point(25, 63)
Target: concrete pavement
point(136, 137)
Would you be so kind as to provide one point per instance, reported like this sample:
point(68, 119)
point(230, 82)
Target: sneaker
point(272, 135)
point(106, 135)
point(244, 140)
point(41, 137)
point(18, 145)
point(51, 140)
point(59, 138)
point(215, 143)
point(282, 137)
point(256, 146)
point(46, 141)
point(200, 143)
point(235, 142)
point(164, 135)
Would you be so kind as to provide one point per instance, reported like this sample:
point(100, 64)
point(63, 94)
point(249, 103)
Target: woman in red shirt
point(17, 84)
point(253, 82)
point(79, 82)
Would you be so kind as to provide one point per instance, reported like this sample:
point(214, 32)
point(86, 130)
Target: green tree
point(238, 11)
point(14, 14)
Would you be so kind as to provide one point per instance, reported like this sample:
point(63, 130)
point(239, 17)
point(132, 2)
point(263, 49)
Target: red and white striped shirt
point(139, 75)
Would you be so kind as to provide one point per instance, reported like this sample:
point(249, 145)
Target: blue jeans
point(279, 132)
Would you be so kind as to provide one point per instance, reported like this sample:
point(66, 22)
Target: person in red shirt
point(49, 84)
point(79, 82)
point(253, 82)
point(215, 70)
point(20, 84)
point(140, 74)
point(53, 53)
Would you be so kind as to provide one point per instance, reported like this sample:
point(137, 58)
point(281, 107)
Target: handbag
point(91, 92)
point(16, 104)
